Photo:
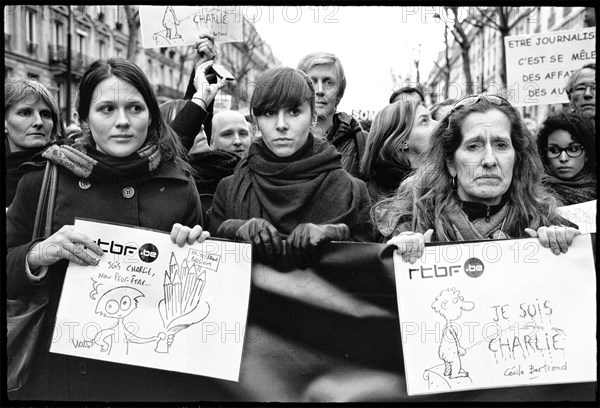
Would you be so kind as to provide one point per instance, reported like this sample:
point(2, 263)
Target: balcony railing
point(7, 38)
point(57, 54)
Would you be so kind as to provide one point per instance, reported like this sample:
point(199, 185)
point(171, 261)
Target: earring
point(453, 182)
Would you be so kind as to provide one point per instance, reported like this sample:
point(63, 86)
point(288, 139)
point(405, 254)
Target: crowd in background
point(292, 174)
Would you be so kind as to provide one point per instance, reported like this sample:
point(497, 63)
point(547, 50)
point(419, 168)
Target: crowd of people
point(468, 169)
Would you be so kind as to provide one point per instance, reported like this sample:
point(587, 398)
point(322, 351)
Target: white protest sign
point(170, 26)
point(151, 303)
point(497, 314)
point(582, 214)
point(539, 65)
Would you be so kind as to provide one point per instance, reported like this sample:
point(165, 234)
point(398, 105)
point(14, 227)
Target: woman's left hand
point(180, 234)
point(557, 238)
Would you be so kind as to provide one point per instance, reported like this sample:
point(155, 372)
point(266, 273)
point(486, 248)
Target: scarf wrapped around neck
point(86, 162)
point(212, 167)
point(579, 189)
point(313, 188)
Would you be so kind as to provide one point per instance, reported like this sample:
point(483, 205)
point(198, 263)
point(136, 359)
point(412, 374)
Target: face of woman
point(286, 131)
point(483, 163)
point(118, 118)
point(28, 124)
point(200, 143)
point(564, 166)
point(418, 139)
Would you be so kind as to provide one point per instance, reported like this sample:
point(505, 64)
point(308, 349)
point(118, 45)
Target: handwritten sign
point(153, 304)
point(539, 65)
point(497, 314)
point(582, 214)
point(169, 26)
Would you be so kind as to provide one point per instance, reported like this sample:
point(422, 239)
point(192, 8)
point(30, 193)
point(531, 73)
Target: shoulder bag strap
point(45, 207)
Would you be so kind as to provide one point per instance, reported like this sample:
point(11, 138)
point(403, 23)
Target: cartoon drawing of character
point(450, 305)
point(181, 306)
point(170, 22)
point(119, 303)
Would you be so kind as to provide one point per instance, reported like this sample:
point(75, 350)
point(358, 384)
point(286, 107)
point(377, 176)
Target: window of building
point(552, 17)
point(30, 26)
point(150, 73)
point(101, 49)
point(171, 83)
point(119, 52)
point(57, 35)
point(35, 77)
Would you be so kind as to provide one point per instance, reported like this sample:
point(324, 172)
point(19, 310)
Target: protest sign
point(497, 314)
point(153, 304)
point(169, 26)
point(539, 65)
point(582, 214)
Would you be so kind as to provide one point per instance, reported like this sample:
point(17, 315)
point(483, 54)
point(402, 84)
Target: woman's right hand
point(66, 243)
point(411, 244)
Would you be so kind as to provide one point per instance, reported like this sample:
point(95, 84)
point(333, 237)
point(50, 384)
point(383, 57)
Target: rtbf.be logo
point(473, 267)
point(147, 252)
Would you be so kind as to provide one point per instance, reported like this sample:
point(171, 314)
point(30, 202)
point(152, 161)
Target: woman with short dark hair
point(291, 186)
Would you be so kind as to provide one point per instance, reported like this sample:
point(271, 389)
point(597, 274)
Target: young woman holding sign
point(128, 169)
point(481, 179)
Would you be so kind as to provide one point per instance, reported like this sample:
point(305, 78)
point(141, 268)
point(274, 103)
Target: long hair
point(325, 58)
point(159, 132)
point(281, 88)
point(388, 136)
point(581, 129)
point(425, 199)
point(17, 89)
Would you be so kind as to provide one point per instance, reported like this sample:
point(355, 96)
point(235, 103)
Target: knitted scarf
point(492, 227)
point(211, 167)
point(313, 188)
point(579, 189)
point(86, 162)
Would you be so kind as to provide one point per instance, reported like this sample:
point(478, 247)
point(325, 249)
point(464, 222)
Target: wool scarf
point(313, 188)
point(492, 227)
point(579, 189)
point(211, 167)
point(86, 162)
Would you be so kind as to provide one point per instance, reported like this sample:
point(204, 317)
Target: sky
point(371, 42)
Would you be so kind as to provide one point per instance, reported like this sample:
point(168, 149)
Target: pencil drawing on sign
point(119, 303)
point(170, 35)
point(450, 305)
point(181, 306)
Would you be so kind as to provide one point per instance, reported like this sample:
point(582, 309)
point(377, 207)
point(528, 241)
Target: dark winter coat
point(349, 139)
point(167, 197)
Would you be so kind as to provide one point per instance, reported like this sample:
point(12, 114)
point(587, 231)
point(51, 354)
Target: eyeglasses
point(584, 87)
point(572, 151)
point(474, 99)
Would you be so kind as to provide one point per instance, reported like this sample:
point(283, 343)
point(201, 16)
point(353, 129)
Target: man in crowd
point(407, 93)
point(341, 129)
point(230, 132)
point(581, 90)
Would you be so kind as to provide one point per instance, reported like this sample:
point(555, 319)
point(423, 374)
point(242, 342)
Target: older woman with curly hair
point(481, 179)
point(566, 147)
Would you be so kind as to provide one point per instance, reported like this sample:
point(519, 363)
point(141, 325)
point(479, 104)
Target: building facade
point(485, 55)
point(36, 45)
